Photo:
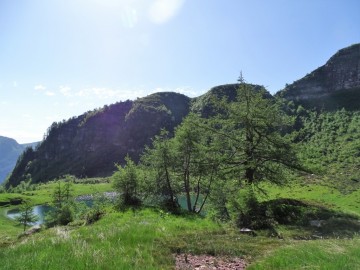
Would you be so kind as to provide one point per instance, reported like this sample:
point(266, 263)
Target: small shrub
point(65, 215)
point(93, 215)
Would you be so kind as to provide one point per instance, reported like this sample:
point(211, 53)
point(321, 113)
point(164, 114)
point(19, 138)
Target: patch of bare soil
point(207, 262)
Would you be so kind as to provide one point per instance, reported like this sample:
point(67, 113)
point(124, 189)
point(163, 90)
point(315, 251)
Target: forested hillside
point(330, 146)
point(90, 144)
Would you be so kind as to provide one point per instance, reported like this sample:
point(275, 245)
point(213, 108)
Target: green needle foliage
point(158, 164)
point(184, 165)
point(255, 147)
point(26, 217)
point(63, 204)
point(254, 128)
point(125, 182)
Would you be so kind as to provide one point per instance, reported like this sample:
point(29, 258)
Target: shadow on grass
point(310, 221)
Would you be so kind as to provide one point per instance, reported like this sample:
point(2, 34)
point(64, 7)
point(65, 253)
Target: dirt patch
point(207, 262)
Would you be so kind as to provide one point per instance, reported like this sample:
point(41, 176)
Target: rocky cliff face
point(332, 86)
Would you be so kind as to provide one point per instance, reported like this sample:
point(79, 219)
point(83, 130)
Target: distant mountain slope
point(333, 86)
point(89, 145)
point(10, 150)
point(203, 104)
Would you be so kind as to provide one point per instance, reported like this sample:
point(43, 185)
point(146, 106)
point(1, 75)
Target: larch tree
point(254, 127)
point(26, 216)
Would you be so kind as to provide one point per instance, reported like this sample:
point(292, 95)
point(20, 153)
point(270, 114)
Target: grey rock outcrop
point(331, 86)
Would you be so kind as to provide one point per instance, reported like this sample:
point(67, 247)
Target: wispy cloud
point(188, 91)
point(39, 87)
point(162, 11)
point(102, 93)
point(49, 93)
point(66, 91)
point(185, 90)
point(15, 84)
point(109, 95)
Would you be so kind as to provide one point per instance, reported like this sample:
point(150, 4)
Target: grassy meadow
point(9, 230)
point(148, 238)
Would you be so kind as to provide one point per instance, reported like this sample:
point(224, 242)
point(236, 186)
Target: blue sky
point(60, 58)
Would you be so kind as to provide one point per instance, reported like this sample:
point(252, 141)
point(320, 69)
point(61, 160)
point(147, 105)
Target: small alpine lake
point(39, 210)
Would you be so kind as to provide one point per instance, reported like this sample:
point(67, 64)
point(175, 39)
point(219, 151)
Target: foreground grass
point(320, 254)
point(119, 241)
point(8, 228)
point(147, 239)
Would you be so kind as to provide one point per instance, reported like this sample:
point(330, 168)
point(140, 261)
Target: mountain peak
point(332, 86)
point(344, 68)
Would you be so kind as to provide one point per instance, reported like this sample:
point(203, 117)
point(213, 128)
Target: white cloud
point(49, 93)
point(108, 93)
point(66, 91)
point(162, 11)
point(186, 91)
point(39, 87)
point(15, 84)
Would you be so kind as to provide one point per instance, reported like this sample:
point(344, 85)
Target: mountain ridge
point(10, 150)
point(90, 144)
point(329, 86)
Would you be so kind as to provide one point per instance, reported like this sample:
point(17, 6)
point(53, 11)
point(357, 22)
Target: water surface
point(39, 210)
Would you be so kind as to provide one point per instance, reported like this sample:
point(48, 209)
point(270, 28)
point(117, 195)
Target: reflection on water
point(39, 210)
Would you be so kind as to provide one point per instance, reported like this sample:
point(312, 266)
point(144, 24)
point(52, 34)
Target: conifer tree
point(26, 217)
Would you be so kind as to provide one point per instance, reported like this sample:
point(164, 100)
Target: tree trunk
point(171, 193)
point(250, 175)
point(187, 190)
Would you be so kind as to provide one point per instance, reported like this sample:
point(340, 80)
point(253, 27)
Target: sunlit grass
point(119, 241)
point(43, 193)
point(147, 239)
point(8, 228)
point(330, 197)
point(320, 254)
